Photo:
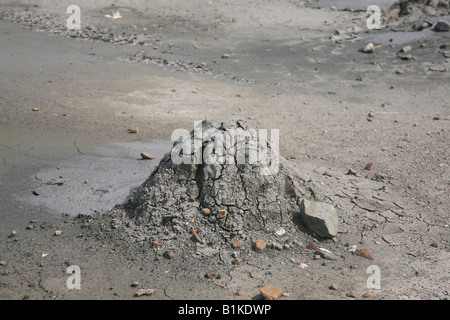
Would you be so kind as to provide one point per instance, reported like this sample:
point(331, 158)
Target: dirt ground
point(296, 66)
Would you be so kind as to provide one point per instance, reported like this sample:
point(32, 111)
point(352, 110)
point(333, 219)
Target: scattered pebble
point(206, 211)
point(147, 156)
point(58, 232)
point(312, 245)
point(363, 253)
point(370, 166)
point(351, 294)
point(405, 49)
point(35, 109)
point(221, 213)
point(333, 287)
point(399, 71)
point(133, 130)
point(434, 244)
point(270, 292)
point(13, 234)
point(367, 295)
point(225, 56)
point(236, 245)
point(144, 292)
point(169, 254)
point(368, 48)
point(259, 245)
point(211, 274)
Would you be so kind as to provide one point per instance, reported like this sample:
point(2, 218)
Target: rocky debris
point(367, 295)
point(320, 218)
point(270, 292)
point(350, 294)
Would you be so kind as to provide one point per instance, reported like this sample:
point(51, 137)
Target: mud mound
point(219, 182)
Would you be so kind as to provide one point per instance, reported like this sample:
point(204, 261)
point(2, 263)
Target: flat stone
point(147, 156)
point(270, 292)
point(259, 245)
point(320, 218)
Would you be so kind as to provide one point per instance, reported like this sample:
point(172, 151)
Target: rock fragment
point(147, 156)
point(333, 286)
point(368, 48)
point(144, 292)
point(370, 166)
point(405, 49)
point(441, 26)
point(320, 218)
point(363, 253)
point(312, 245)
point(259, 245)
point(211, 274)
point(221, 213)
point(169, 254)
point(206, 211)
point(57, 181)
point(270, 292)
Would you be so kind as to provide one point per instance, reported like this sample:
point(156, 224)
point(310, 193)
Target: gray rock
point(320, 218)
point(442, 26)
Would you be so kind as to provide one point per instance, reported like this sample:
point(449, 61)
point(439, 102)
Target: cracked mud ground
point(161, 67)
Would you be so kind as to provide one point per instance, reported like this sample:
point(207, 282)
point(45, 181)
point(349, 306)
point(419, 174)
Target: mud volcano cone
point(222, 177)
